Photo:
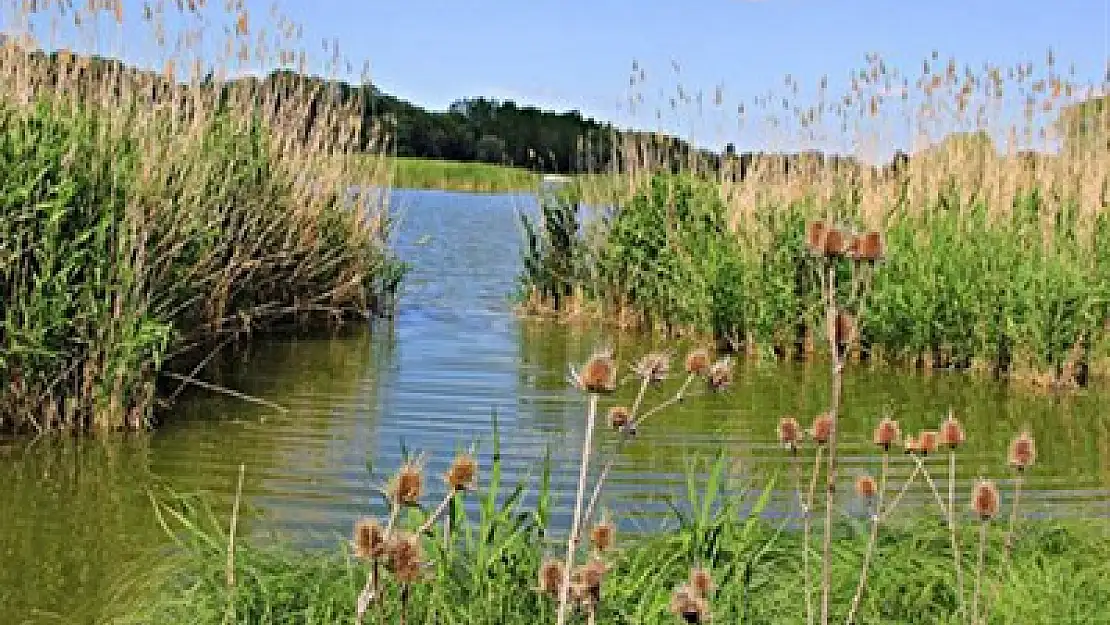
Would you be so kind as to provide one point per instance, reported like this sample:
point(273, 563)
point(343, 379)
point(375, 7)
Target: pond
point(75, 515)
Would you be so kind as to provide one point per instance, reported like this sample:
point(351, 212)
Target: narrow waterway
point(76, 515)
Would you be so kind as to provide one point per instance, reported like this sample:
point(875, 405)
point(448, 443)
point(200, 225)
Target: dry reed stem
point(1009, 544)
point(369, 593)
point(438, 512)
point(957, 556)
point(806, 531)
point(875, 508)
point(576, 521)
point(975, 616)
point(837, 373)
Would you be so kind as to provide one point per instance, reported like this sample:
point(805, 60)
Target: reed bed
point(995, 220)
point(150, 218)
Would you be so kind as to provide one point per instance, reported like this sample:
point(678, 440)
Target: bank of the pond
point(444, 175)
point(1020, 290)
point(1056, 575)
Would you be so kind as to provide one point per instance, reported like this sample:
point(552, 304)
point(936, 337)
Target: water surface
point(74, 514)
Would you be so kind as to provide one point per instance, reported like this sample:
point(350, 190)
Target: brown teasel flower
point(927, 442)
point(985, 500)
point(551, 576)
point(689, 606)
point(463, 473)
point(1023, 452)
point(845, 328)
point(910, 445)
point(408, 485)
point(868, 247)
point(815, 237)
point(720, 374)
point(701, 581)
point(866, 487)
point(602, 535)
point(369, 539)
point(951, 432)
point(404, 557)
point(822, 428)
point(599, 374)
point(886, 433)
point(619, 417)
point(653, 367)
point(697, 362)
point(588, 578)
point(790, 433)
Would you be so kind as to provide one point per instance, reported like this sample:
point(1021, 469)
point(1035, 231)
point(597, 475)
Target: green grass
point(423, 173)
point(487, 571)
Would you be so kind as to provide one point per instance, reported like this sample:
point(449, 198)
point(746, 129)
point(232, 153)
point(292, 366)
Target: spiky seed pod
point(720, 375)
point(619, 417)
point(886, 433)
point(369, 539)
point(653, 367)
point(867, 247)
point(463, 473)
point(866, 487)
point(845, 328)
point(588, 578)
point(408, 486)
point(790, 433)
point(951, 432)
point(701, 581)
point(1023, 452)
point(599, 374)
point(697, 362)
point(836, 243)
point(687, 605)
point(910, 445)
point(602, 536)
point(927, 442)
point(985, 500)
point(405, 557)
point(822, 429)
point(551, 577)
point(815, 237)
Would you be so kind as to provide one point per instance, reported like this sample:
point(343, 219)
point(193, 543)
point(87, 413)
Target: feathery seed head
point(1023, 452)
point(697, 362)
point(654, 367)
point(790, 434)
point(369, 539)
point(822, 428)
point(985, 500)
point(463, 473)
point(887, 433)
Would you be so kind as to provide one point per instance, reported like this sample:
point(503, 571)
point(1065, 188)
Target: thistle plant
point(1023, 453)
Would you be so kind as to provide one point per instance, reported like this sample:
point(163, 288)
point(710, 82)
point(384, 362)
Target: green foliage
point(552, 252)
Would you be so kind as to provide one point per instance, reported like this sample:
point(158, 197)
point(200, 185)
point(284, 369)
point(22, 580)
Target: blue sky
point(579, 53)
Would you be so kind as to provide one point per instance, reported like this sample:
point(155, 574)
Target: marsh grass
point(150, 217)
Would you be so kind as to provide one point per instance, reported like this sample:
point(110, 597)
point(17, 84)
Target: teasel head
point(620, 418)
point(985, 500)
point(927, 442)
point(815, 237)
point(603, 535)
point(369, 539)
point(835, 243)
point(822, 428)
point(462, 475)
point(1023, 452)
point(790, 433)
point(697, 362)
point(589, 577)
point(951, 432)
point(887, 433)
point(599, 374)
point(701, 581)
point(654, 367)
point(689, 606)
point(408, 484)
point(404, 557)
point(845, 328)
point(867, 247)
point(866, 487)
point(551, 577)
point(720, 375)
point(910, 445)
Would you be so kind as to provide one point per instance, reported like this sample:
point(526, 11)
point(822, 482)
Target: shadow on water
point(75, 513)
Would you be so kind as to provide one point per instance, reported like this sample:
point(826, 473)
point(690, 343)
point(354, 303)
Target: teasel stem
point(834, 409)
point(404, 604)
point(979, 571)
point(1009, 546)
point(440, 509)
point(957, 556)
point(807, 515)
point(871, 541)
point(901, 493)
point(572, 540)
point(932, 485)
point(369, 592)
point(633, 423)
point(591, 613)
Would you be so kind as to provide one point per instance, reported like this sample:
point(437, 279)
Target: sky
point(578, 54)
